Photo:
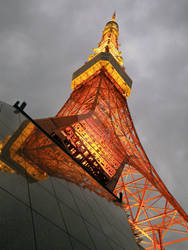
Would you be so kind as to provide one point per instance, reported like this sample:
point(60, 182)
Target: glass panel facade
point(45, 207)
point(16, 228)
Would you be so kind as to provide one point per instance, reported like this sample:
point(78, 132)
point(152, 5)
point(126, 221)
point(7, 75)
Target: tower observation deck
point(95, 129)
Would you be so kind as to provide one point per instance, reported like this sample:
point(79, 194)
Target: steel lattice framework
point(95, 130)
point(153, 211)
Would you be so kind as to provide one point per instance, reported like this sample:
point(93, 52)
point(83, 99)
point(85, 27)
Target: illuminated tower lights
point(95, 128)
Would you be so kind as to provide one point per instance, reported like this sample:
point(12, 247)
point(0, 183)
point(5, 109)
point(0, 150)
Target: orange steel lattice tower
point(96, 131)
point(104, 131)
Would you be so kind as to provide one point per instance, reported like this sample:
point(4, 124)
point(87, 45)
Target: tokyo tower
point(102, 147)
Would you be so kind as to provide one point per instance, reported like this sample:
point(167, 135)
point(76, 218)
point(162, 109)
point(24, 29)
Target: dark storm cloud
point(159, 98)
point(43, 42)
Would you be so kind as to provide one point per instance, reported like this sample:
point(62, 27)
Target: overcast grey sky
point(43, 41)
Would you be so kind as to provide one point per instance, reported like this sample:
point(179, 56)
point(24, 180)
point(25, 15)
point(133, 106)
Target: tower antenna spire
point(114, 17)
point(109, 42)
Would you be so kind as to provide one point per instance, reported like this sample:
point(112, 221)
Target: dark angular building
point(53, 213)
